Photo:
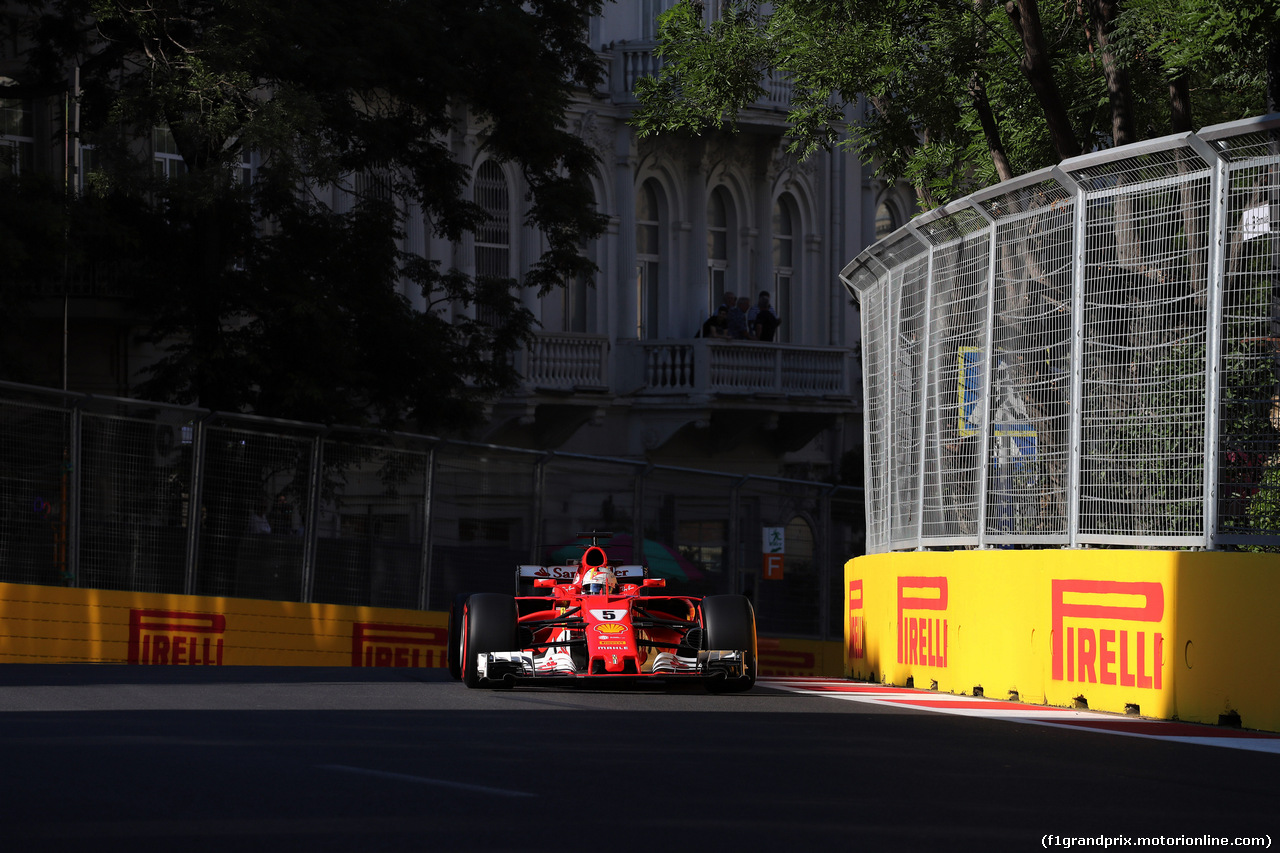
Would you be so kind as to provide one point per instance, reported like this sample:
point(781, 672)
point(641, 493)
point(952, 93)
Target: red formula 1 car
point(599, 621)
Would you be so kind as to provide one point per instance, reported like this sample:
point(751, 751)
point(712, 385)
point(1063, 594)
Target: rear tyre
point(729, 622)
point(455, 635)
point(488, 625)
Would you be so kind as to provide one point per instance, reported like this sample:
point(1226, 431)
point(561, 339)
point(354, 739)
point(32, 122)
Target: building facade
point(619, 368)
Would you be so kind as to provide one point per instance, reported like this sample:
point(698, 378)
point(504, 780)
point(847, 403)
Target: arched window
point(493, 237)
point(573, 311)
point(717, 248)
point(784, 264)
point(886, 220)
point(648, 260)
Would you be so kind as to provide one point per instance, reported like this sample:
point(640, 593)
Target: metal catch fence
point(121, 494)
point(1087, 354)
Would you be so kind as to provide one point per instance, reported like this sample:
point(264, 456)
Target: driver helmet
point(601, 581)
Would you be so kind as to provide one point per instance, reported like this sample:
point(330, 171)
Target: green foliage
point(266, 298)
point(922, 67)
point(1264, 508)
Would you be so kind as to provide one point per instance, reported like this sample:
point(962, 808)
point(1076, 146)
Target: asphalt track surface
point(255, 759)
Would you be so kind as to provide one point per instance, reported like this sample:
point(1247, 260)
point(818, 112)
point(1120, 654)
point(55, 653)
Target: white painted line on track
point(423, 780)
point(1098, 722)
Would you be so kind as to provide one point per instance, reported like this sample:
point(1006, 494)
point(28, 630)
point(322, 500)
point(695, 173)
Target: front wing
point(528, 666)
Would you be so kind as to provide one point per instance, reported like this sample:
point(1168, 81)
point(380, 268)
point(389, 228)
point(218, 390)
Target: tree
point(264, 296)
point(963, 93)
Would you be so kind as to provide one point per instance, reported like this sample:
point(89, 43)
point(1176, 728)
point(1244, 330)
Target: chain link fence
point(1083, 355)
point(120, 494)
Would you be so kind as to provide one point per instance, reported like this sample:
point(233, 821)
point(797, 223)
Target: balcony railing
point(705, 366)
point(567, 361)
point(564, 361)
point(634, 59)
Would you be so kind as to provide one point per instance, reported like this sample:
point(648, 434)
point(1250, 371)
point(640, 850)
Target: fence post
point(735, 537)
point(1218, 184)
point(826, 559)
point(539, 492)
point(310, 523)
point(1076, 396)
point(195, 502)
point(984, 399)
point(637, 515)
point(888, 458)
point(71, 506)
point(424, 557)
point(922, 404)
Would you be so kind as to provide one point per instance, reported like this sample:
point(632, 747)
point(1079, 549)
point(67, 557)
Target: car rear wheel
point(729, 623)
point(488, 625)
point(455, 635)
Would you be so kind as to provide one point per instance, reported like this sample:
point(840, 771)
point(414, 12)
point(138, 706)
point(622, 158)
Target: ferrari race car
point(597, 621)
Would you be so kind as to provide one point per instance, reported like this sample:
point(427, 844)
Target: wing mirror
point(654, 582)
point(544, 583)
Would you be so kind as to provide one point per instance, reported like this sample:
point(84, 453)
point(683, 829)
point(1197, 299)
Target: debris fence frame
point(110, 493)
point(1084, 355)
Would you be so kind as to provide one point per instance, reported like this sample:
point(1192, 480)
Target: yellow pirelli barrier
point(1176, 635)
point(787, 657)
point(41, 624)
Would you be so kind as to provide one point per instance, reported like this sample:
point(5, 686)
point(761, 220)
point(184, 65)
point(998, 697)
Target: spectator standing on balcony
point(717, 325)
point(738, 328)
point(761, 320)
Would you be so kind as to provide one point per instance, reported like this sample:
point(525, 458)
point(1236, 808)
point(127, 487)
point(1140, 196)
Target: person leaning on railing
point(738, 328)
point(717, 325)
point(761, 319)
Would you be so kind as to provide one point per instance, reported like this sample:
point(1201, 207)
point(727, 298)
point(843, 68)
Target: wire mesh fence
point(1084, 355)
point(117, 494)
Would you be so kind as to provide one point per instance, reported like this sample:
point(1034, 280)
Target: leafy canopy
point(267, 297)
point(953, 95)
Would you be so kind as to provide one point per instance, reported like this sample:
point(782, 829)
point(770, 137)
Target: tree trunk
point(1180, 122)
point(982, 104)
point(1123, 124)
point(924, 198)
point(1180, 104)
point(1035, 65)
point(1123, 129)
point(1273, 73)
point(990, 131)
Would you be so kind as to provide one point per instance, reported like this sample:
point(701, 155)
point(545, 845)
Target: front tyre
point(488, 625)
point(729, 623)
point(455, 635)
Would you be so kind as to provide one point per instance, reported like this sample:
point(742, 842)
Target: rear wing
point(526, 575)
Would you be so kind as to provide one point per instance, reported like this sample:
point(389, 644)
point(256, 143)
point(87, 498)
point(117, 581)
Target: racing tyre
point(729, 622)
point(455, 635)
point(488, 625)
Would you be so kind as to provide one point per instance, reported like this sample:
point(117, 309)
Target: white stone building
point(618, 368)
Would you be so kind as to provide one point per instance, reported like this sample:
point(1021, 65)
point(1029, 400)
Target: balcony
point(704, 369)
point(566, 362)
point(563, 363)
point(788, 390)
point(631, 60)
